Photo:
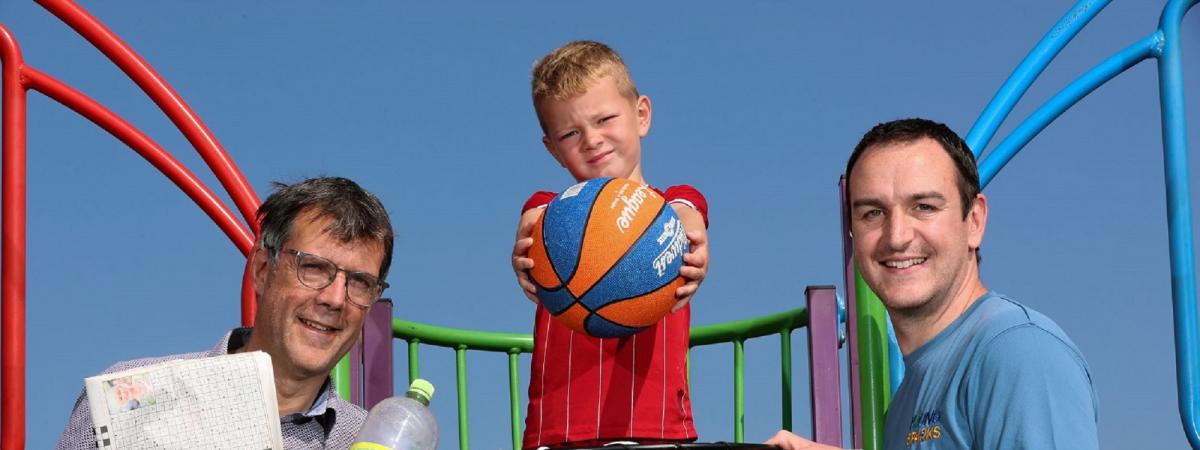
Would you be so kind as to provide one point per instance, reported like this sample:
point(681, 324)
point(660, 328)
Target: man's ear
point(260, 268)
point(977, 221)
point(644, 113)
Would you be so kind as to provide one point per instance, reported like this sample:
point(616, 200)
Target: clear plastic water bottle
point(401, 422)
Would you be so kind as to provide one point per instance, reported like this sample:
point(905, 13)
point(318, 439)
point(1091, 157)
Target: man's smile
point(318, 327)
point(901, 264)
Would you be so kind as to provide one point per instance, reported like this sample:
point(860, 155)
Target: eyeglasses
point(318, 273)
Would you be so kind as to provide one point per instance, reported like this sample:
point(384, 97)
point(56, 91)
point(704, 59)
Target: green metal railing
point(462, 340)
point(514, 344)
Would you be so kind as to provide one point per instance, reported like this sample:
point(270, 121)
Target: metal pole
point(848, 274)
point(826, 379)
point(1038, 58)
point(171, 104)
point(464, 426)
point(1179, 218)
point(12, 311)
point(873, 362)
point(378, 368)
point(1063, 100)
point(153, 153)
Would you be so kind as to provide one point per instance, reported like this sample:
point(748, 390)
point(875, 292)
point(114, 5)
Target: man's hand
point(788, 441)
point(520, 262)
point(695, 261)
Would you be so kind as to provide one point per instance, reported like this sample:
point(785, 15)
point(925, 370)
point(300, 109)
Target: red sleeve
point(686, 192)
point(539, 199)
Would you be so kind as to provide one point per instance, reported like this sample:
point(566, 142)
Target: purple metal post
point(371, 358)
point(377, 354)
point(851, 318)
point(356, 369)
point(824, 364)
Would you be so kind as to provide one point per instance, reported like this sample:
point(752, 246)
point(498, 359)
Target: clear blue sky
point(756, 103)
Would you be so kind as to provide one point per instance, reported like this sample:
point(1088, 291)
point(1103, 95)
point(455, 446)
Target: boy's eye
point(568, 135)
point(607, 118)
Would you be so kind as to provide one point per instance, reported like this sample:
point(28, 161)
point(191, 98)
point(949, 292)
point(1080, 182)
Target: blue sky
point(427, 105)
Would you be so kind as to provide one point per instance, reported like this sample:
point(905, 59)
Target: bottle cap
point(422, 388)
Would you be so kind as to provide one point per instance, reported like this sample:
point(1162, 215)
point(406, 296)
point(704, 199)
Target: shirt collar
point(322, 409)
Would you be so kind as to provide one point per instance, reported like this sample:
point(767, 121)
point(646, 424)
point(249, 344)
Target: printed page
point(224, 402)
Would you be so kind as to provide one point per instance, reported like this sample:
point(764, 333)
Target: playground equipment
point(869, 366)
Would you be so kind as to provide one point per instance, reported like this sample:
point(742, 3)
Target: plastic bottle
point(401, 422)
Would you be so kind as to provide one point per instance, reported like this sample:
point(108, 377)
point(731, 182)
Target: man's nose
point(334, 295)
point(898, 231)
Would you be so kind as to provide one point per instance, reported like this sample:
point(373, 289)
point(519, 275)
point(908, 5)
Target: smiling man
point(324, 250)
point(981, 370)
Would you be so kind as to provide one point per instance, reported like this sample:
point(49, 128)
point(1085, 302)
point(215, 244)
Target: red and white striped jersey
point(585, 390)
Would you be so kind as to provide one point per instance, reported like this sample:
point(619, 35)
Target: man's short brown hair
point(570, 70)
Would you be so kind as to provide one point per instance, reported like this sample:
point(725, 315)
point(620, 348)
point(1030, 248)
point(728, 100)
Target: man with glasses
point(323, 252)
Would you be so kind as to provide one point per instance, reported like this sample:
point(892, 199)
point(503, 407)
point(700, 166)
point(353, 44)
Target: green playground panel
point(514, 344)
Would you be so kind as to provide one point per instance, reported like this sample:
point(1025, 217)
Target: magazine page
point(225, 402)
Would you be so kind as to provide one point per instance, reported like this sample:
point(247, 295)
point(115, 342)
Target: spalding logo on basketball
point(606, 257)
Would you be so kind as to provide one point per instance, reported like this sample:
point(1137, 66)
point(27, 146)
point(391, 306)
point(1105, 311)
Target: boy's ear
point(553, 152)
point(644, 112)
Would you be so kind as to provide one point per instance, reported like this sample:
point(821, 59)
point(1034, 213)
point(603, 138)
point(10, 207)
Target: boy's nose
point(592, 139)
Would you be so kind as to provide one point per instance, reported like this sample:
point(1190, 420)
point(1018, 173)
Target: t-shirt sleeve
point(690, 195)
point(537, 200)
point(1029, 390)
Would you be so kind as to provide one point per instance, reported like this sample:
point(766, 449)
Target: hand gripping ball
point(606, 257)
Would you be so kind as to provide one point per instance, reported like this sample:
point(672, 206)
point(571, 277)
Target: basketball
point(606, 255)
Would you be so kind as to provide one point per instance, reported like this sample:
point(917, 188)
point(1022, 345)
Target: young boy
point(587, 391)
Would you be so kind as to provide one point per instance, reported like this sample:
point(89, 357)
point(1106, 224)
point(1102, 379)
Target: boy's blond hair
point(570, 70)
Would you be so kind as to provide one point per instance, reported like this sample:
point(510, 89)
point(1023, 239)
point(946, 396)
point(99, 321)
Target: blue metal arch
point(1164, 44)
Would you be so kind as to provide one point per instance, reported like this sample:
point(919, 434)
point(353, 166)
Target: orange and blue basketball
point(607, 254)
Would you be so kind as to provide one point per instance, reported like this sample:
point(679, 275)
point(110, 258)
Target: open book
point(225, 402)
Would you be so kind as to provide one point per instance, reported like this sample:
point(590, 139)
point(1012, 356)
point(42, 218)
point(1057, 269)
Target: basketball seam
point(610, 303)
point(544, 288)
point(559, 288)
point(616, 263)
point(550, 260)
point(593, 314)
point(583, 237)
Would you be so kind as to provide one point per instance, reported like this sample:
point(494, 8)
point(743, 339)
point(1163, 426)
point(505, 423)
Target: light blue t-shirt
point(1002, 376)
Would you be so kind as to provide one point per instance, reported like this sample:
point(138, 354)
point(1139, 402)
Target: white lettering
point(674, 248)
point(620, 194)
point(668, 230)
point(632, 203)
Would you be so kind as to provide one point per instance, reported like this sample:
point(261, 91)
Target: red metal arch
point(17, 79)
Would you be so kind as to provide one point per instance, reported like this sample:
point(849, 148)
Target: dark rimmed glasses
point(316, 272)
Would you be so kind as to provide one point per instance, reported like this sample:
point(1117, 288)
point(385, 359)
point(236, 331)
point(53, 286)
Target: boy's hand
point(695, 261)
point(520, 263)
point(789, 441)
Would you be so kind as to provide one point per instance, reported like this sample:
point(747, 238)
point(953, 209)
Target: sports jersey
point(590, 391)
